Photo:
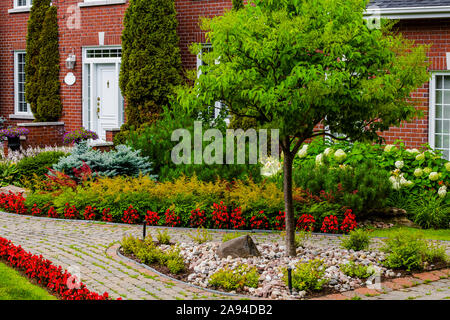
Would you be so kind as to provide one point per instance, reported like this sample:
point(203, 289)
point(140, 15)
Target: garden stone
point(241, 247)
point(13, 189)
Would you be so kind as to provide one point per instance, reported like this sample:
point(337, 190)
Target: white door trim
point(89, 94)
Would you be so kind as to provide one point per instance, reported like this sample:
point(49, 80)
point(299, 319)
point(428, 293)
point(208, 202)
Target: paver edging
point(396, 287)
point(117, 251)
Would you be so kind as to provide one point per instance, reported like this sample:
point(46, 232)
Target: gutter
point(435, 12)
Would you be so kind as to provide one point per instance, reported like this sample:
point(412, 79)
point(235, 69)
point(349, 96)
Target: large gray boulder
point(241, 247)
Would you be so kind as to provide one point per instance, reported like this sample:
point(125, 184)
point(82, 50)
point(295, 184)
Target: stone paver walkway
point(90, 247)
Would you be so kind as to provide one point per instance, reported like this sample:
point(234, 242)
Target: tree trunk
point(288, 203)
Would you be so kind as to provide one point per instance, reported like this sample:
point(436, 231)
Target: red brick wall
point(108, 19)
point(94, 19)
point(437, 33)
point(44, 135)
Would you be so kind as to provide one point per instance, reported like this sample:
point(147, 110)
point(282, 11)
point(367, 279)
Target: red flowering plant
point(89, 213)
point(57, 180)
point(172, 219)
point(70, 212)
point(280, 221)
point(13, 202)
point(106, 215)
point(220, 216)
point(36, 211)
point(83, 173)
point(349, 222)
point(259, 221)
point(330, 225)
point(306, 223)
point(152, 218)
point(52, 213)
point(236, 219)
point(130, 215)
point(35, 267)
point(197, 218)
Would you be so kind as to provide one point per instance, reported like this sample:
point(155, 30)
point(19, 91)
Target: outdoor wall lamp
point(70, 62)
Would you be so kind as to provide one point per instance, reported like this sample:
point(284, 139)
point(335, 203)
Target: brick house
point(90, 33)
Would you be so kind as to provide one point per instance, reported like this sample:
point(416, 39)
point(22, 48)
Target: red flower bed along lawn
point(221, 217)
point(60, 282)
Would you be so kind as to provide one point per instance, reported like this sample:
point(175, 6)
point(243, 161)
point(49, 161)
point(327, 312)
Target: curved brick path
point(91, 247)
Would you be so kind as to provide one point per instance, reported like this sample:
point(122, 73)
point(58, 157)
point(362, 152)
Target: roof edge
point(433, 12)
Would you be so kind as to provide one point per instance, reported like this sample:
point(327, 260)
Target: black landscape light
point(289, 274)
point(144, 230)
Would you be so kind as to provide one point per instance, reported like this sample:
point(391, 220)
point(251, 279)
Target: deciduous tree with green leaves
point(304, 65)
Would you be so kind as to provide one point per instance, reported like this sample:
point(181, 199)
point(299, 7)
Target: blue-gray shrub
point(122, 161)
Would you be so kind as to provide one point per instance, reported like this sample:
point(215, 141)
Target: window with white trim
point(23, 3)
point(21, 106)
point(439, 117)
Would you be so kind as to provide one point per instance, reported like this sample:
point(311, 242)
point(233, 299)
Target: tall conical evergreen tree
point(49, 106)
point(35, 22)
point(238, 4)
point(151, 60)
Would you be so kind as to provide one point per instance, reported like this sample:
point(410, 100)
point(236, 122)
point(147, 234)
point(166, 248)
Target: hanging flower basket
point(13, 136)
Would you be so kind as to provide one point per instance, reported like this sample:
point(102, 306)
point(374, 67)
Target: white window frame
point(16, 86)
point(432, 109)
point(27, 5)
point(92, 3)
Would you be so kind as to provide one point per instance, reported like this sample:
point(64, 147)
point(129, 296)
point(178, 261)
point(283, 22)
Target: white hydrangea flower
point(327, 152)
point(395, 181)
point(420, 156)
point(427, 170)
point(418, 172)
point(433, 176)
point(442, 192)
point(412, 151)
point(340, 155)
point(399, 164)
point(447, 166)
point(403, 181)
point(303, 151)
point(408, 183)
point(389, 148)
point(271, 166)
point(319, 159)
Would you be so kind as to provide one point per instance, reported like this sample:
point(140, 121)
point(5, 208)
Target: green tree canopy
point(151, 60)
point(304, 65)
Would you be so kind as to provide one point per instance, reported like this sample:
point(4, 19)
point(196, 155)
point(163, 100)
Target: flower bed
point(219, 216)
point(57, 281)
point(318, 268)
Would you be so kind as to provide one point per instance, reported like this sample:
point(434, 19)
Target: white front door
point(107, 104)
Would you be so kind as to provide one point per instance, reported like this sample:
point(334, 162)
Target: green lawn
point(13, 286)
point(441, 234)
